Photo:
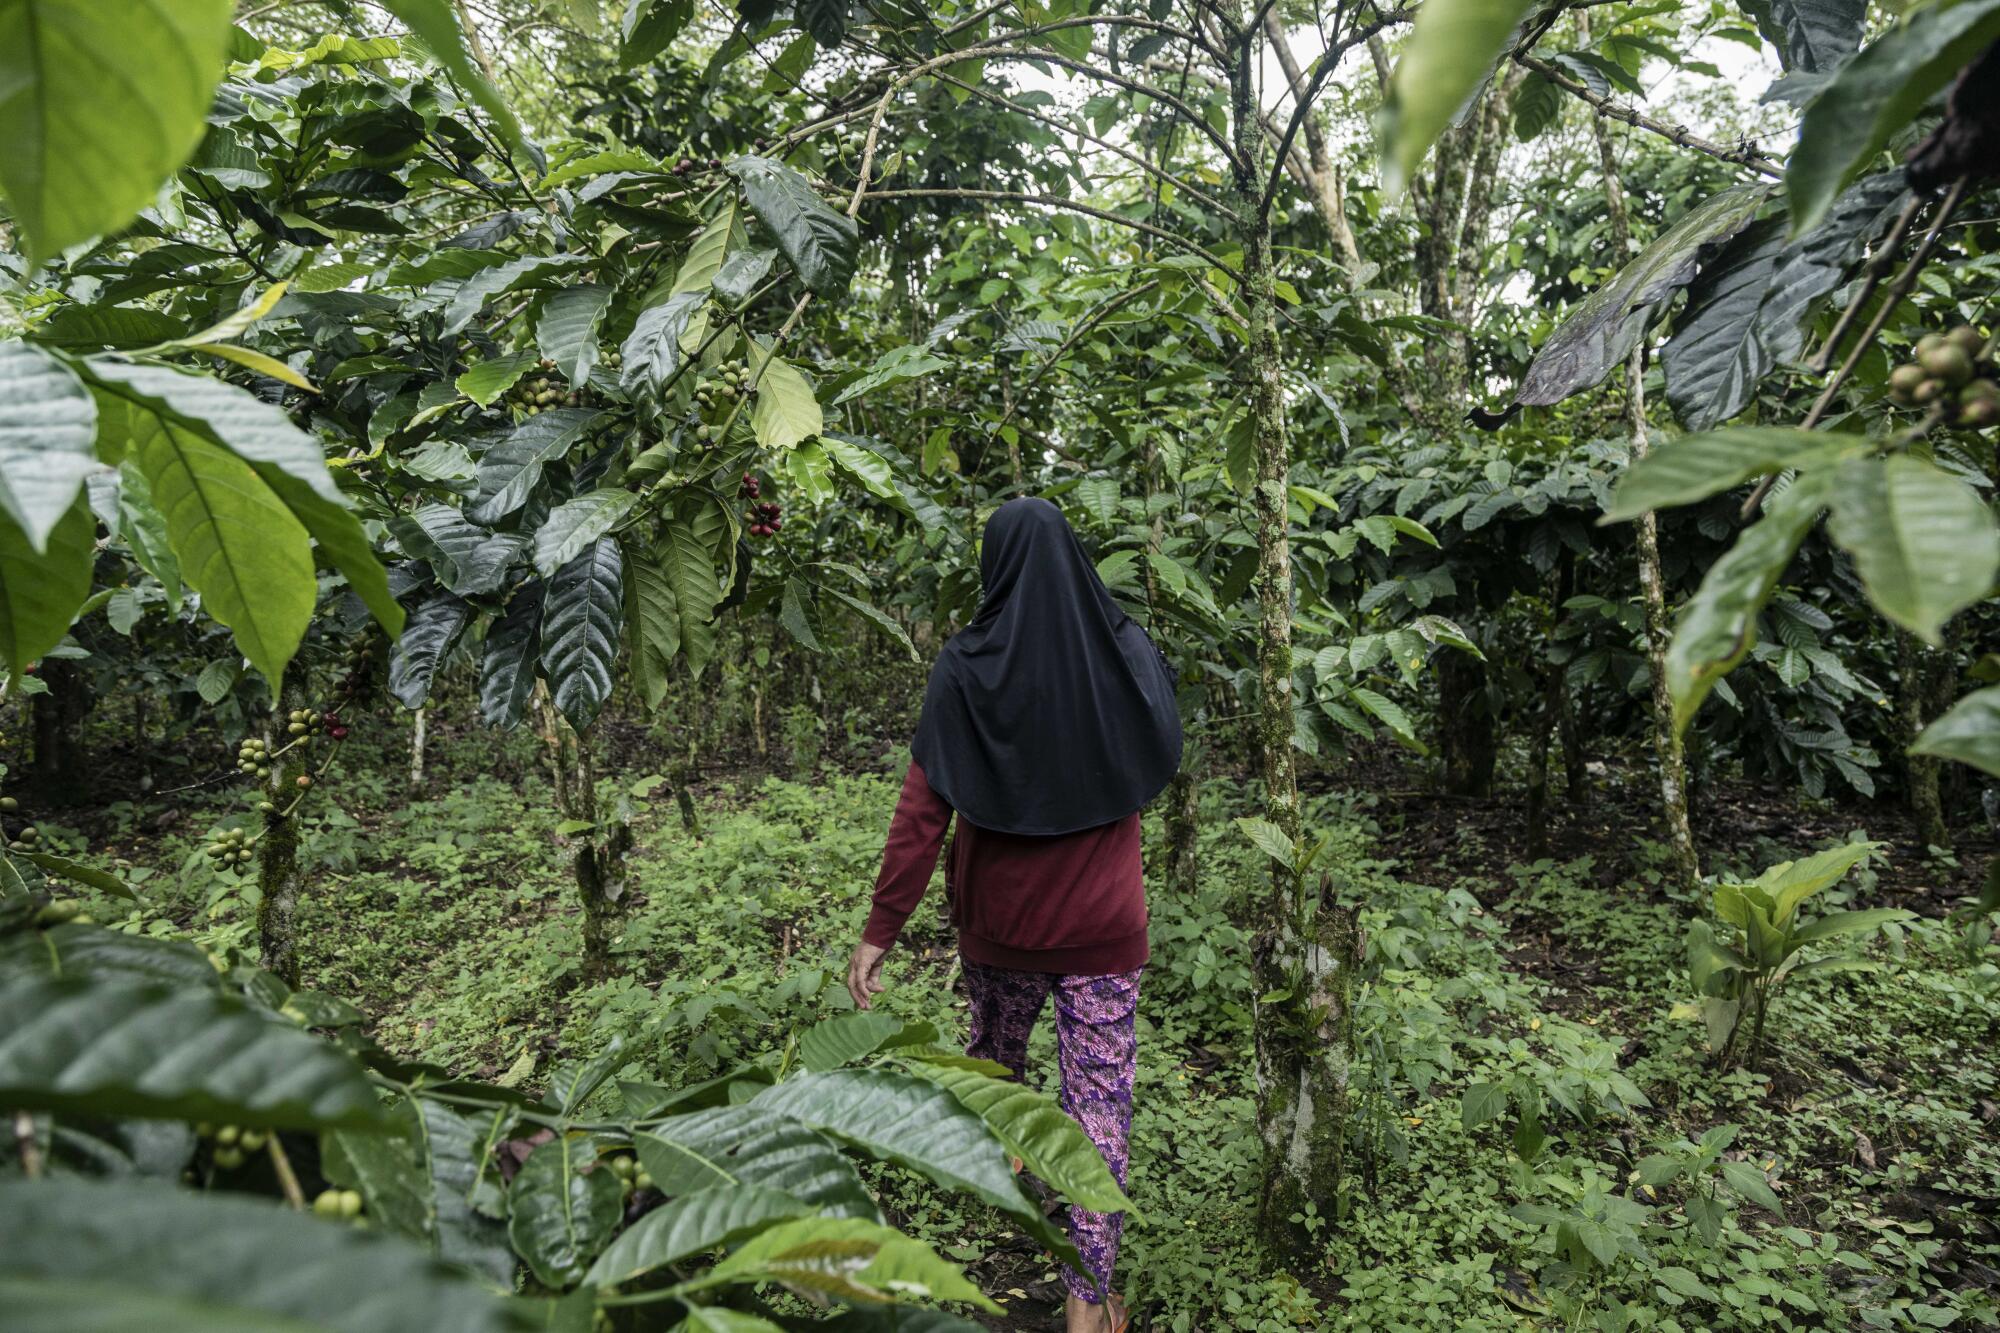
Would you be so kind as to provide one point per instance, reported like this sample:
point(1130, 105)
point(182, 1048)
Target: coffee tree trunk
point(1685, 863)
point(1468, 742)
point(1303, 948)
point(280, 881)
point(1182, 815)
point(598, 846)
point(1915, 668)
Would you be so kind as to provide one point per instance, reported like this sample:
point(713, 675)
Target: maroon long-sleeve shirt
point(1074, 903)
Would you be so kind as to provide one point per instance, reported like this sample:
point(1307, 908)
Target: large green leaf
point(785, 412)
point(48, 425)
point(108, 1047)
point(468, 559)
point(1969, 732)
point(429, 635)
point(1715, 358)
point(513, 463)
point(1719, 625)
point(1031, 1127)
point(435, 23)
point(1600, 333)
point(690, 1225)
point(845, 1038)
point(383, 1169)
point(235, 541)
point(1810, 35)
point(469, 297)
point(99, 104)
point(1791, 883)
point(576, 524)
point(342, 543)
point(1445, 63)
point(652, 352)
point(494, 376)
point(819, 243)
point(581, 619)
point(145, 530)
point(42, 591)
point(1878, 93)
point(566, 331)
point(1695, 467)
point(455, 1150)
point(507, 670)
point(654, 614)
point(158, 1257)
point(1835, 924)
point(851, 1259)
point(706, 253)
point(687, 553)
point(250, 427)
point(915, 1124)
point(78, 950)
point(562, 1208)
point(1923, 541)
point(728, 1147)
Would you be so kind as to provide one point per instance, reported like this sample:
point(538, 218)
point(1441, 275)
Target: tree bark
point(1468, 740)
point(279, 880)
point(1303, 949)
point(419, 740)
point(1686, 861)
point(1914, 673)
point(597, 856)
point(1182, 825)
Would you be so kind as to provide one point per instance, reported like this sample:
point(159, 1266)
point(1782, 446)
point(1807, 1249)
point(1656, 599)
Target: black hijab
point(1052, 711)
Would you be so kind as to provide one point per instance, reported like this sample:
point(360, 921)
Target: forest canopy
point(481, 482)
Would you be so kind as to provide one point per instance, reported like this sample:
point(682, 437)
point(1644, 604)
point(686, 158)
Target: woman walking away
point(1049, 721)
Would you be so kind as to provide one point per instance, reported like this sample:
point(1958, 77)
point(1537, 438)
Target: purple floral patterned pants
point(1097, 1049)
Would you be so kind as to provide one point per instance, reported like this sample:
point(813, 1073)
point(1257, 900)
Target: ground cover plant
point(481, 485)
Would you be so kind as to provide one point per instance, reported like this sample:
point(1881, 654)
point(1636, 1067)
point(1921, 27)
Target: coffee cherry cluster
point(343, 1205)
point(762, 518)
point(614, 360)
point(307, 723)
point(230, 848)
point(715, 395)
point(358, 685)
point(631, 1176)
point(24, 839)
point(254, 757)
point(233, 1144)
point(688, 164)
point(535, 394)
point(1946, 376)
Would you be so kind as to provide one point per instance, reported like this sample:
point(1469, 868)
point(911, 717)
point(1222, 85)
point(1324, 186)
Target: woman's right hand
point(864, 974)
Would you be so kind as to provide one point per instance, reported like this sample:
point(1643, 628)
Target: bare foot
point(1084, 1317)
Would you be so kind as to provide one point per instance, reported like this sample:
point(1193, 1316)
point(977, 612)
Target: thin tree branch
point(1604, 106)
point(1053, 201)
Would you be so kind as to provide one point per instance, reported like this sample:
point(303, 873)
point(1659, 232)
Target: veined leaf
point(691, 1225)
point(507, 670)
point(654, 614)
point(1449, 54)
point(705, 255)
point(113, 1047)
point(1270, 840)
point(511, 466)
point(41, 592)
point(566, 331)
point(652, 353)
point(489, 379)
point(428, 636)
point(1695, 467)
point(576, 524)
point(848, 1258)
point(1601, 332)
point(455, 1151)
point(907, 1121)
point(687, 554)
point(1923, 541)
point(819, 243)
point(1810, 35)
point(562, 1208)
point(1969, 732)
point(898, 363)
point(1719, 625)
point(733, 1147)
point(99, 104)
point(792, 615)
point(845, 1038)
point(581, 619)
point(171, 1260)
point(1876, 94)
point(785, 413)
point(1031, 1127)
point(235, 541)
point(48, 425)
point(741, 274)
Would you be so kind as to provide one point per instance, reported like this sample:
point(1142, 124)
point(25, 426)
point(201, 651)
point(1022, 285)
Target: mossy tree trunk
point(280, 882)
point(597, 844)
point(1468, 740)
point(1303, 948)
point(1916, 669)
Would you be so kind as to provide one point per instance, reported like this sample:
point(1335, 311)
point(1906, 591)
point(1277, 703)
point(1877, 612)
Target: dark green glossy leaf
point(819, 243)
point(431, 632)
point(182, 1260)
point(732, 1146)
point(562, 1208)
point(1810, 35)
point(691, 1225)
point(42, 592)
point(566, 330)
point(652, 353)
point(511, 465)
point(1695, 467)
point(507, 670)
point(1599, 334)
point(581, 619)
point(106, 1047)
